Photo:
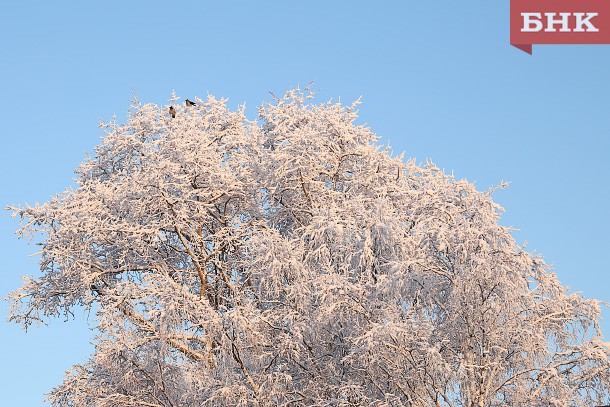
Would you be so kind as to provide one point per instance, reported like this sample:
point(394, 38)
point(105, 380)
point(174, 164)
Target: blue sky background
point(439, 80)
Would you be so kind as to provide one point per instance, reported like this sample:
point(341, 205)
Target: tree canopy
point(291, 260)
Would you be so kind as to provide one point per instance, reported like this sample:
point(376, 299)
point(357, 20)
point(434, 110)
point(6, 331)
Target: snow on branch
point(291, 259)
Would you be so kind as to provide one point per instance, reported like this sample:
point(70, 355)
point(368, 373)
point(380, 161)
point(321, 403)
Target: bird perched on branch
point(189, 103)
point(172, 111)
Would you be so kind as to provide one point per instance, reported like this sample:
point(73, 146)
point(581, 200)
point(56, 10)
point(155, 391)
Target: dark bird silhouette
point(172, 111)
point(189, 103)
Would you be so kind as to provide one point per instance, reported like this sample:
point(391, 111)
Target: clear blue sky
point(438, 79)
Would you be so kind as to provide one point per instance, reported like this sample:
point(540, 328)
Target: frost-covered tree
point(292, 260)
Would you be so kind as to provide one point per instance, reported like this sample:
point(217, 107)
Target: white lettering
point(586, 21)
point(551, 21)
point(528, 21)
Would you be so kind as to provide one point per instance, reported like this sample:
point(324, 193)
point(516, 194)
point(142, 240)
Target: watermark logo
point(559, 22)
